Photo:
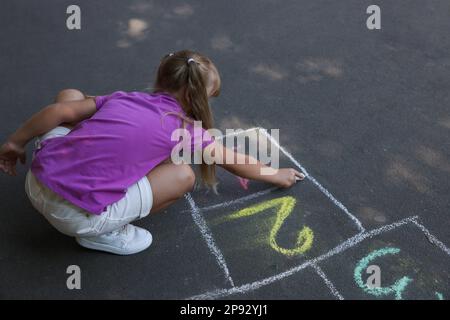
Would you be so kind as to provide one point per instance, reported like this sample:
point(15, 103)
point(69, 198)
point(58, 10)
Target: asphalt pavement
point(365, 112)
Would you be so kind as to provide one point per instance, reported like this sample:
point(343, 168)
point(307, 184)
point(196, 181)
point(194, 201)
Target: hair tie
point(191, 60)
point(171, 54)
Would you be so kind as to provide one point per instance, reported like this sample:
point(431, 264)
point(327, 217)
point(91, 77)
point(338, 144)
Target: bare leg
point(170, 182)
point(69, 95)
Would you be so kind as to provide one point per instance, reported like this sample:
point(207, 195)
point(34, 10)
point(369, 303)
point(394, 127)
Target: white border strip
point(349, 243)
point(328, 283)
point(314, 181)
point(206, 233)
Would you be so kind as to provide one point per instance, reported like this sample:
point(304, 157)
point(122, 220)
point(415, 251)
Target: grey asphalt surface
point(367, 113)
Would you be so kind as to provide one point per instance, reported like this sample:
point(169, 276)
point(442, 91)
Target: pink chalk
point(243, 182)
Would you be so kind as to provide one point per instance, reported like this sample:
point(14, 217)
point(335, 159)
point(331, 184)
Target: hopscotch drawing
point(252, 236)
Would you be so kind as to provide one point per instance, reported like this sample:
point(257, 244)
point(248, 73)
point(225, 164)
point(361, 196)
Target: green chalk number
point(395, 289)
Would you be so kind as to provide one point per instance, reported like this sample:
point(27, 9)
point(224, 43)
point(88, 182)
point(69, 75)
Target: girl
point(103, 162)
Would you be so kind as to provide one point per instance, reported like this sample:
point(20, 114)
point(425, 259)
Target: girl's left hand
point(10, 152)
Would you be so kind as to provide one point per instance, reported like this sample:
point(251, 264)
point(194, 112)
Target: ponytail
point(197, 97)
point(186, 72)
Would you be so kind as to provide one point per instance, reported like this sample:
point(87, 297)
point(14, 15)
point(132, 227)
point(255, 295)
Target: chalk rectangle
point(254, 249)
point(305, 285)
point(405, 252)
point(248, 248)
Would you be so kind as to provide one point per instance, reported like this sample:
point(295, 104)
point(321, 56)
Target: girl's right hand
point(285, 178)
point(9, 153)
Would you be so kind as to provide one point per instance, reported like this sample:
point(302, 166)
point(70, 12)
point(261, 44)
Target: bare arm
point(43, 121)
point(248, 167)
point(52, 116)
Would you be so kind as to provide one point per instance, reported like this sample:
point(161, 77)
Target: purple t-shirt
point(101, 157)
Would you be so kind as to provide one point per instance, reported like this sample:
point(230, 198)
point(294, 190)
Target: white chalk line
point(328, 283)
point(349, 243)
point(238, 200)
point(235, 133)
point(432, 238)
point(207, 236)
point(314, 181)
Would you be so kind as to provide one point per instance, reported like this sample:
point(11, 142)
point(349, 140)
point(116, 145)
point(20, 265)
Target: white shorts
point(77, 222)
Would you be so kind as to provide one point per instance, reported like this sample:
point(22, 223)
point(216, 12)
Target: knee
point(186, 177)
point(69, 95)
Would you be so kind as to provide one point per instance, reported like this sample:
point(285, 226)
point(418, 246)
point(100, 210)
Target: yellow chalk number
point(285, 206)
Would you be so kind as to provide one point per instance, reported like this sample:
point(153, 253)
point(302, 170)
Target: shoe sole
point(107, 248)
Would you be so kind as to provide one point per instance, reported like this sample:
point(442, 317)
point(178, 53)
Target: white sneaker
point(127, 240)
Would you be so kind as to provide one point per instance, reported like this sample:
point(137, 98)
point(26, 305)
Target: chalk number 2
point(285, 205)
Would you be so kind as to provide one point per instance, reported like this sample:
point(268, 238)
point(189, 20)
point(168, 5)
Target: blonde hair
point(189, 74)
